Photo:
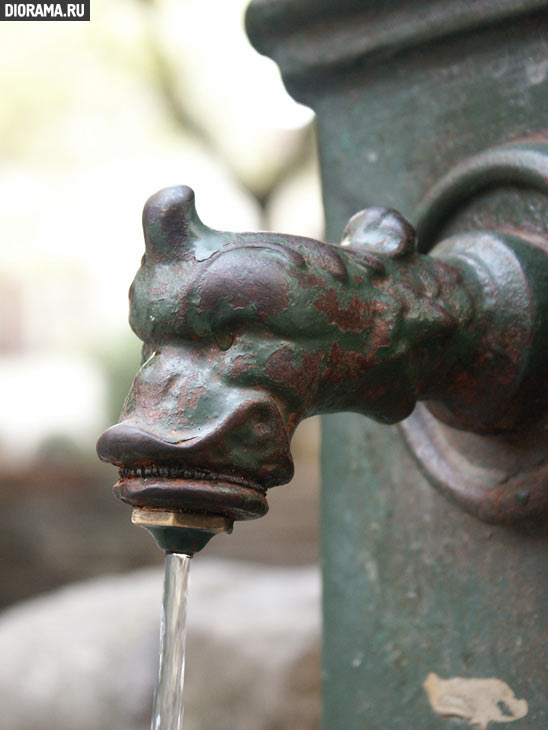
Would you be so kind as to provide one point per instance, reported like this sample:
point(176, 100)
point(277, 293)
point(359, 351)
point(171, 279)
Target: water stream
point(167, 711)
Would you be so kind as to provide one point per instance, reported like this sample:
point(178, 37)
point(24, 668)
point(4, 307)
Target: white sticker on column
point(479, 701)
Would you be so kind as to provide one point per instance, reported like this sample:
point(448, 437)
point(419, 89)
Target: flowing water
point(167, 712)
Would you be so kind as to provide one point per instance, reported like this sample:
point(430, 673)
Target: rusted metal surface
point(246, 334)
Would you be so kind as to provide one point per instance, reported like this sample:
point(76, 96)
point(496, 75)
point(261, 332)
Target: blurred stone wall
point(86, 656)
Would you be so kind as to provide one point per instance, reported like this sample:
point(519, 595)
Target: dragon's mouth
point(156, 474)
point(180, 472)
point(182, 488)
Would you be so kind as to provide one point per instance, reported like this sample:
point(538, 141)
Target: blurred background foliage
point(94, 118)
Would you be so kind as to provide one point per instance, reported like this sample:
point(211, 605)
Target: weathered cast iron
point(437, 109)
point(246, 334)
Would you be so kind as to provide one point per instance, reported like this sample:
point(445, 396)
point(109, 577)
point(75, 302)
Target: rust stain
point(240, 364)
point(355, 317)
point(193, 395)
point(302, 379)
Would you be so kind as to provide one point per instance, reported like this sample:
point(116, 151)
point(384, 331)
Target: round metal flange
point(523, 163)
point(500, 479)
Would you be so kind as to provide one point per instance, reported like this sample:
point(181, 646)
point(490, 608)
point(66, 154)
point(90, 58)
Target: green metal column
point(415, 588)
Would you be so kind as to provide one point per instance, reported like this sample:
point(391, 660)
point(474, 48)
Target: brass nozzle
point(181, 532)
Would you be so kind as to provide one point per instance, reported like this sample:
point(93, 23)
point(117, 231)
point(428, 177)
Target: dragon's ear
point(171, 224)
point(380, 231)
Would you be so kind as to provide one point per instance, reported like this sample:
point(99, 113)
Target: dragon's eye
point(224, 340)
